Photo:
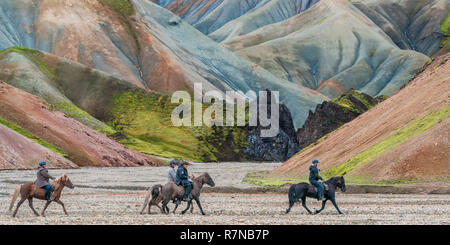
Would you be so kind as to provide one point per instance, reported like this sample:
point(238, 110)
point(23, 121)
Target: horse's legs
point(64, 208)
point(45, 207)
point(291, 203)
point(157, 205)
point(18, 205)
point(323, 206)
point(197, 200)
point(304, 205)
point(164, 206)
point(176, 206)
point(145, 205)
point(188, 206)
point(192, 209)
point(335, 205)
point(30, 202)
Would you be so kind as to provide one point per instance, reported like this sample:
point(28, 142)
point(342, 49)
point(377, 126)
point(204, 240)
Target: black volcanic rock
point(329, 116)
point(278, 148)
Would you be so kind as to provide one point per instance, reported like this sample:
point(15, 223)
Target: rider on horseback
point(42, 180)
point(314, 177)
point(171, 173)
point(183, 179)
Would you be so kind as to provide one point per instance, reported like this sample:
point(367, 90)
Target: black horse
point(303, 190)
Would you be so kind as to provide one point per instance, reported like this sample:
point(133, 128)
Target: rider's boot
point(187, 190)
point(50, 197)
point(185, 197)
point(320, 196)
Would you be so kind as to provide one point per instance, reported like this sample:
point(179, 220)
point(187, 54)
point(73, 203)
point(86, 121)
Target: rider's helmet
point(42, 163)
point(315, 161)
point(172, 162)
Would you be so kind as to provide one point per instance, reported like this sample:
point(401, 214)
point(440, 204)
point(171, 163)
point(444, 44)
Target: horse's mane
point(58, 180)
point(205, 174)
point(333, 179)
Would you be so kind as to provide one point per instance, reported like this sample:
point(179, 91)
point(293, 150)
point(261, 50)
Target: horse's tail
point(14, 197)
point(292, 195)
point(147, 196)
point(156, 191)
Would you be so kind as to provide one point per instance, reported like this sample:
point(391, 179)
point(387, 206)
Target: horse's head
point(341, 182)
point(205, 178)
point(65, 181)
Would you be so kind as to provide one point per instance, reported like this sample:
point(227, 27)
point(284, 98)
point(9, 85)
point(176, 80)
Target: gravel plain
point(116, 195)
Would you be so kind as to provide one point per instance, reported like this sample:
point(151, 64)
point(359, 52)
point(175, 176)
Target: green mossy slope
point(147, 117)
point(348, 105)
point(411, 130)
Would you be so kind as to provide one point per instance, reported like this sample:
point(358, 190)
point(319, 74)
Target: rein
point(57, 183)
point(333, 181)
point(199, 180)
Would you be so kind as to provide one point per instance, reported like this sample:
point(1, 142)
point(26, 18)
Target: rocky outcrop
point(278, 148)
point(330, 115)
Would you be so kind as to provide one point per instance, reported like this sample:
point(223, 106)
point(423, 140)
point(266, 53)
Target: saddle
point(180, 188)
point(325, 187)
point(41, 191)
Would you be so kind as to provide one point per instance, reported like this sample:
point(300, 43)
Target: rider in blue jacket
point(314, 177)
point(183, 179)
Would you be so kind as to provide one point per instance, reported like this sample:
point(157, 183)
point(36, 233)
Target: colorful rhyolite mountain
point(111, 56)
point(145, 44)
point(293, 46)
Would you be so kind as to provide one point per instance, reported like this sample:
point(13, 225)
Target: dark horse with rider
point(322, 191)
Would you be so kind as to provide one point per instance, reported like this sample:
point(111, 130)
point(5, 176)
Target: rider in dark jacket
point(314, 177)
point(42, 180)
point(183, 179)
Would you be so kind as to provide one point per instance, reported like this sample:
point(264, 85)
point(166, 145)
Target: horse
point(30, 191)
point(171, 191)
point(302, 190)
point(155, 192)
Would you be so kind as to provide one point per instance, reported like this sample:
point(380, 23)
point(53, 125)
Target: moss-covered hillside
point(147, 117)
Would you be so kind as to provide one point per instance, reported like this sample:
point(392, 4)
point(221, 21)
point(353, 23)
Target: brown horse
point(171, 191)
point(30, 191)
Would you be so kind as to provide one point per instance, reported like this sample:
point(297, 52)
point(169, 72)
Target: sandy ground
point(115, 196)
